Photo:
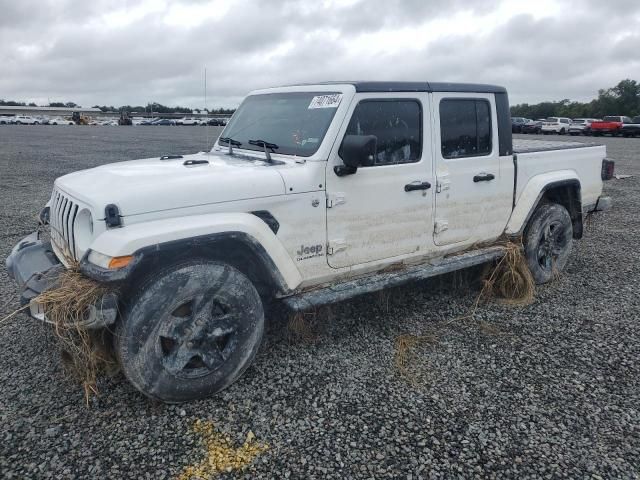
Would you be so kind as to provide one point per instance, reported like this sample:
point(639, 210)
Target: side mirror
point(356, 151)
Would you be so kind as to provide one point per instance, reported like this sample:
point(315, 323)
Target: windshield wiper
point(231, 142)
point(265, 145)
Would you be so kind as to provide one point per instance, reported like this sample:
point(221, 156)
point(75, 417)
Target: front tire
point(191, 332)
point(548, 240)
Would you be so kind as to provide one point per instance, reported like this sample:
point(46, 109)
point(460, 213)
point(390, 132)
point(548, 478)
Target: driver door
point(382, 211)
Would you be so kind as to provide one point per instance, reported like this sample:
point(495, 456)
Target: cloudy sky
point(118, 52)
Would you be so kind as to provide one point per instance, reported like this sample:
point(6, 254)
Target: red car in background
point(611, 125)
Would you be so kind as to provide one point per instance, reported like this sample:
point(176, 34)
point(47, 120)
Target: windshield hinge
point(336, 246)
point(440, 226)
point(442, 184)
point(335, 199)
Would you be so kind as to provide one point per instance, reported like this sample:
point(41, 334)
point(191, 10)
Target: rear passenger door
point(473, 186)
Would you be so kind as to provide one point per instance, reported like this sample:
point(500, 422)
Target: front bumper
point(35, 268)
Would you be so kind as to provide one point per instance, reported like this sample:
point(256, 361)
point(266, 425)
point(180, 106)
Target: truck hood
point(155, 184)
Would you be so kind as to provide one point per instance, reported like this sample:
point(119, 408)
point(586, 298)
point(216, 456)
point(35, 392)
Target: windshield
point(293, 123)
point(611, 119)
point(552, 120)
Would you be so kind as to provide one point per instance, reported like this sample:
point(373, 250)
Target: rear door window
point(465, 128)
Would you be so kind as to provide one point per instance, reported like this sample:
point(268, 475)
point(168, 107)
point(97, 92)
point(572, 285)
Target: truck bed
point(532, 146)
point(539, 162)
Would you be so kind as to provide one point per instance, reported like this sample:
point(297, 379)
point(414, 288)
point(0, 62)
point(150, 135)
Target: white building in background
point(49, 111)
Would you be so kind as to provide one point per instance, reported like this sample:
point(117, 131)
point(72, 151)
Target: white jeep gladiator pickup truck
point(312, 194)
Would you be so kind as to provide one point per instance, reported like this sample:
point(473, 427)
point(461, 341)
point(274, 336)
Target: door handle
point(483, 177)
point(410, 187)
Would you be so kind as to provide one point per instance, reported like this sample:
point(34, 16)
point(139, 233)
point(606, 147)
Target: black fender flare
point(573, 204)
point(239, 249)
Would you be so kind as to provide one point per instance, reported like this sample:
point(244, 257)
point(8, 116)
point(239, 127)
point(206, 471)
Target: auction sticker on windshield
point(326, 101)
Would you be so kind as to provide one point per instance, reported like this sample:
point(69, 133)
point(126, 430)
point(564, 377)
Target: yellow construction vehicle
point(80, 119)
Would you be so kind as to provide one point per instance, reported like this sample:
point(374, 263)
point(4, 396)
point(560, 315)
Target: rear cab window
point(465, 127)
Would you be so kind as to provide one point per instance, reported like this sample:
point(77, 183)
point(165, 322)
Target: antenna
point(206, 112)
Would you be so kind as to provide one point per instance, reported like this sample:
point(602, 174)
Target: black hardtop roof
point(418, 87)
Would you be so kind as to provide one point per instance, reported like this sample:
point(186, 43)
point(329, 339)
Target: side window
point(397, 124)
point(465, 127)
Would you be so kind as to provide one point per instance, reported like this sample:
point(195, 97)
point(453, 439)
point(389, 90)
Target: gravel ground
point(549, 390)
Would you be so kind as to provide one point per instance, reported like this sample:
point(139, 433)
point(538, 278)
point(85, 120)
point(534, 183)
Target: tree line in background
point(159, 108)
point(623, 99)
point(151, 107)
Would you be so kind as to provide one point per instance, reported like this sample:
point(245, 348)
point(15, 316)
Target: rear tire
point(548, 240)
point(563, 131)
point(190, 332)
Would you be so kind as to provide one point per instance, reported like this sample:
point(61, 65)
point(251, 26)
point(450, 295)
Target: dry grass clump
point(511, 280)
point(302, 326)
point(405, 355)
point(221, 455)
point(85, 353)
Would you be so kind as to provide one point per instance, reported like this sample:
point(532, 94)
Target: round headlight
point(83, 230)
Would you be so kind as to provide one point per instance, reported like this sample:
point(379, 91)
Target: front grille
point(63, 216)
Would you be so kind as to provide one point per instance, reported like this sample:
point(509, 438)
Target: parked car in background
point(148, 121)
point(188, 121)
point(610, 125)
point(558, 125)
point(26, 120)
point(221, 122)
point(532, 126)
point(581, 126)
point(164, 122)
point(218, 122)
point(6, 120)
point(631, 129)
point(517, 123)
point(60, 121)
